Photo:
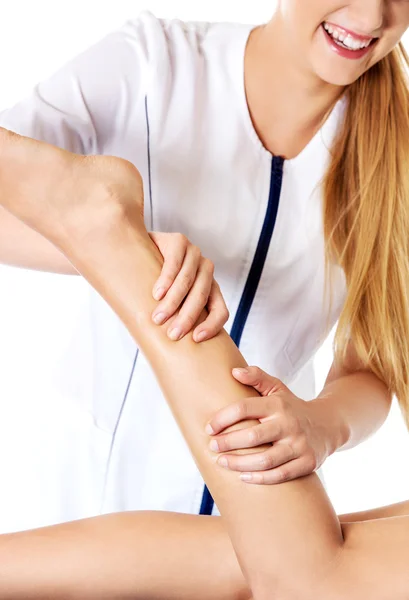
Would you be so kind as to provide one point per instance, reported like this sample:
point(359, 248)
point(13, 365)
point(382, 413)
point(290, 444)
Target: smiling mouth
point(347, 40)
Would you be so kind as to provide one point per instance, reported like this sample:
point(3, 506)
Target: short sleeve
point(91, 104)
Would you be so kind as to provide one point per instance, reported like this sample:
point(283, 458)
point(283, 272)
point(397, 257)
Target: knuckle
point(189, 321)
point(202, 296)
point(196, 251)
point(257, 372)
point(209, 265)
point(225, 315)
point(292, 453)
point(254, 437)
point(186, 281)
point(240, 410)
point(225, 445)
point(165, 281)
point(180, 239)
point(312, 463)
point(283, 474)
point(266, 462)
point(171, 305)
point(172, 264)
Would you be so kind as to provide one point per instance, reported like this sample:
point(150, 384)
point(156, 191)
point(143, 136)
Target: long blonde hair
point(366, 222)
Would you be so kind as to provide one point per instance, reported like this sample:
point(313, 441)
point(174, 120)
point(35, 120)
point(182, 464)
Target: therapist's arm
point(287, 538)
point(354, 402)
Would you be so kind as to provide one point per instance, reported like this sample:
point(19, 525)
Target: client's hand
point(85, 205)
point(293, 426)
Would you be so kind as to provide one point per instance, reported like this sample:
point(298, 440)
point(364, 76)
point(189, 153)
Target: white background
point(37, 310)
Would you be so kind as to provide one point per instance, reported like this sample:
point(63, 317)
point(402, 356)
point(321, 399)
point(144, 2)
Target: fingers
point(194, 303)
point(293, 469)
point(173, 247)
point(218, 315)
point(247, 438)
point(248, 408)
point(275, 456)
point(187, 283)
point(180, 286)
point(264, 383)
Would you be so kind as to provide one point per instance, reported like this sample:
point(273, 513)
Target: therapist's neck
point(287, 104)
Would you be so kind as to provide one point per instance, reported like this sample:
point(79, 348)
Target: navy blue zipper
point(253, 278)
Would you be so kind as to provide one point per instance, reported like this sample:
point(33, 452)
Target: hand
point(187, 282)
point(293, 426)
point(79, 202)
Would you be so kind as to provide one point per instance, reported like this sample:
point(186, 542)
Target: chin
point(336, 76)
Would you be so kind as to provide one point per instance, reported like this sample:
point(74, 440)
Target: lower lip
point(344, 52)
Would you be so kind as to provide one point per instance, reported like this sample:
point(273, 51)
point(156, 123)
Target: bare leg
point(138, 555)
point(264, 523)
point(401, 509)
point(288, 540)
point(145, 556)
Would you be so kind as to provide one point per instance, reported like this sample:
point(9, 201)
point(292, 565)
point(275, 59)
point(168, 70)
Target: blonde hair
point(366, 222)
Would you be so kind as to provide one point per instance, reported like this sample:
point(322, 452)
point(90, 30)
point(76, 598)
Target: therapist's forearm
point(355, 407)
point(286, 537)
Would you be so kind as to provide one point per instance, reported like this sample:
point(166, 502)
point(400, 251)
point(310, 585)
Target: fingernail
point(214, 446)
point(223, 462)
point(209, 429)
point(246, 476)
point(158, 293)
point(241, 371)
point(175, 334)
point(201, 336)
point(159, 318)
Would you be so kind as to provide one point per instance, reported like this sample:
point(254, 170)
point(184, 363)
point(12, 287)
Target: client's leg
point(148, 555)
point(287, 537)
point(401, 509)
point(138, 555)
point(269, 526)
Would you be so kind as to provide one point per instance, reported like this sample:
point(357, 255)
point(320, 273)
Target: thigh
point(373, 563)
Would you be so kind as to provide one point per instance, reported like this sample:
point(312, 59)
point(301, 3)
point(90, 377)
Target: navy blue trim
point(259, 259)
point(137, 350)
point(206, 507)
point(149, 158)
point(118, 421)
point(253, 278)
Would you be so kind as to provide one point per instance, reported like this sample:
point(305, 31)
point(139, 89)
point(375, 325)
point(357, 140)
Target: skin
point(301, 95)
point(119, 556)
point(265, 524)
point(303, 87)
point(301, 90)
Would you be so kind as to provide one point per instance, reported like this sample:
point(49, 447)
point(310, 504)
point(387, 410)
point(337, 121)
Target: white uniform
point(169, 96)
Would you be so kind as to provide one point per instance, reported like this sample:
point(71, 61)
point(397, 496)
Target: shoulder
point(153, 34)
point(178, 40)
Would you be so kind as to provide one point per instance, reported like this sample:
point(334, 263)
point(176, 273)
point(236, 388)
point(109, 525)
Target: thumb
point(264, 383)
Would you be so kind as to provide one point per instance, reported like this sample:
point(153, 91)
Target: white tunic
point(169, 96)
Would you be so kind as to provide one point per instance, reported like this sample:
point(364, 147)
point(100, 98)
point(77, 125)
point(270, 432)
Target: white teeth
point(346, 40)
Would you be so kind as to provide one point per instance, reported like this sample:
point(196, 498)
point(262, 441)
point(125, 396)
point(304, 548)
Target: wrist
point(332, 421)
